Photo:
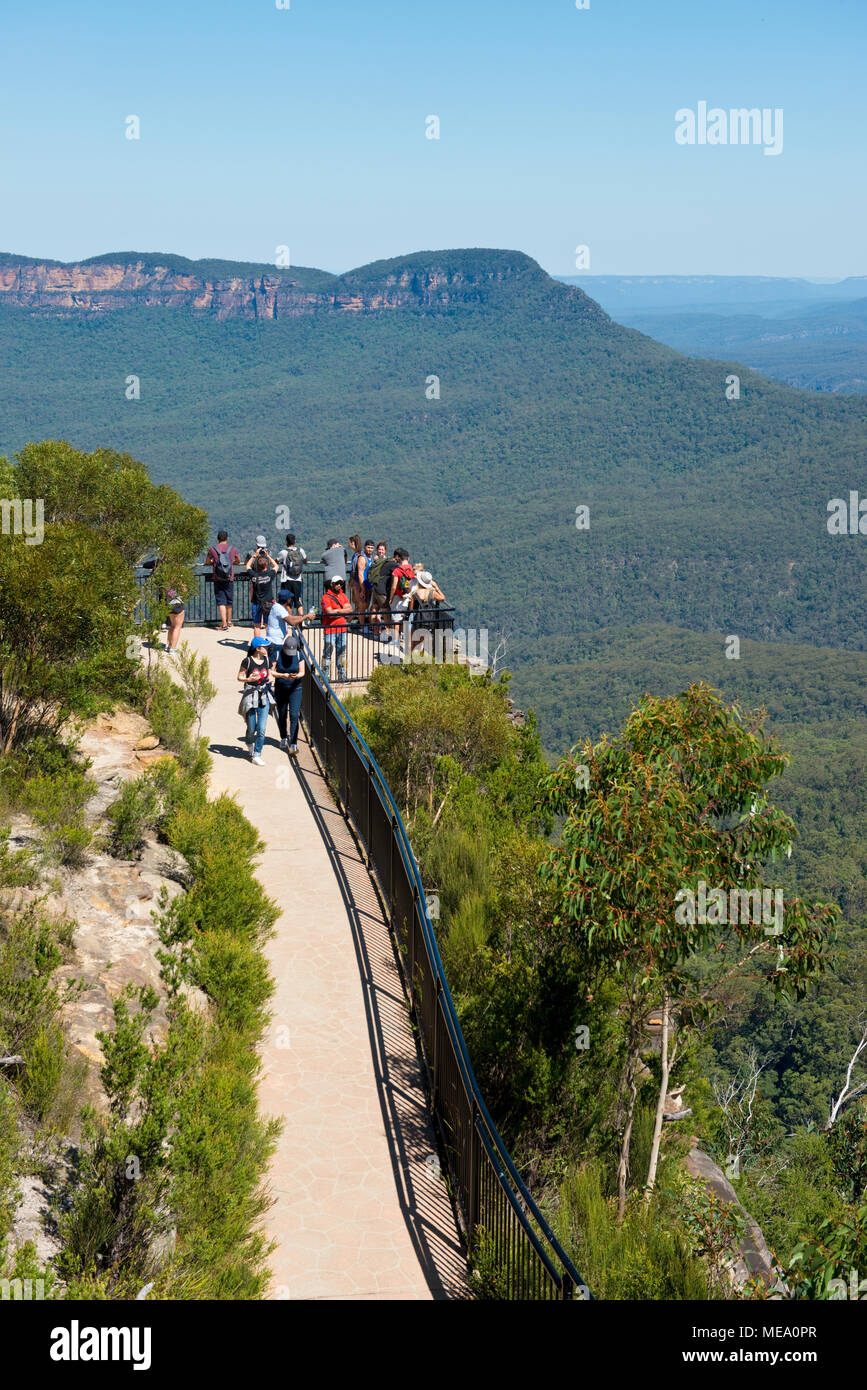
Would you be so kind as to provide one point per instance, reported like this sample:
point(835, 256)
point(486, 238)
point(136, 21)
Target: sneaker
point(257, 760)
point(293, 749)
point(284, 743)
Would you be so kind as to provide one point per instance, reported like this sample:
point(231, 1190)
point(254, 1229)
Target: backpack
point(293, 564)
point(374, 569)
point(403, 585)
point(223, 566)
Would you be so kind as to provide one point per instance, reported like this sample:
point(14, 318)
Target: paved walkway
point(360, 1211)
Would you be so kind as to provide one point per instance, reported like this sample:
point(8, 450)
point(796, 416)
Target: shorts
point(260, 611)
point(176, 605)
point(380, 600)
point(223, 595)
point(294, 587)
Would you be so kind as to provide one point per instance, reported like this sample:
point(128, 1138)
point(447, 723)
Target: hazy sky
point(305, 127)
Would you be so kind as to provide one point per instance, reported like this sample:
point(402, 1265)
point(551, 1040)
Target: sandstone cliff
point(127, 280)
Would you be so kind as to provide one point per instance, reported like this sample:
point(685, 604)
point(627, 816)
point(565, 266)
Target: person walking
point(292, 560)
point(174, 599)
point(287, 673)
point(223, 558)
point(256, 699)
point(175, 621)
point(335, 606)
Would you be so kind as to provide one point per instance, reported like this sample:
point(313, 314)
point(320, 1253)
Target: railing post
point(391, 878)
point(436, 1044)
point(475, 1163)
point(346, 773)
point(415, 917)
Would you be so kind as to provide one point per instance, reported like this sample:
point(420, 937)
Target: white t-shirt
point(276, 629)
point(282, 556)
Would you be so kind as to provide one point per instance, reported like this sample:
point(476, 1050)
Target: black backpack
point(223, 566)
point(293, 563)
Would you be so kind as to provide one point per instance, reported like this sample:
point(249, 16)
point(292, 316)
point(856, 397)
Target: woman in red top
point(335, 605)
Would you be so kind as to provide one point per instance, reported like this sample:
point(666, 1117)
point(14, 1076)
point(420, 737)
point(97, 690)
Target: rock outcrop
point(130, 280)
point(111, 901)
point(754, 1259)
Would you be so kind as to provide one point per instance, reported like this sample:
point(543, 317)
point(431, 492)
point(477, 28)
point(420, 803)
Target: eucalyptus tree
point(675, 803)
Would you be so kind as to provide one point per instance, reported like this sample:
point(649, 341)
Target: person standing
point(292, 560)
point(287, 673)
point(280, 620)
point(256, 701)
point(335, 606)
point(425, 596)
point(260, 566)
point(334, 560)
point(379, 573)
point(400, 582)
point(357, 566)
point(366, 587)
point(223, 558)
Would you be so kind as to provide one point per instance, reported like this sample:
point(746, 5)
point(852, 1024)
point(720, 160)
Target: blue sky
point(306, 127)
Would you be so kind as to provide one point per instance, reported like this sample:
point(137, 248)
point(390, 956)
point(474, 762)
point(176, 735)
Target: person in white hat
point(424, 594)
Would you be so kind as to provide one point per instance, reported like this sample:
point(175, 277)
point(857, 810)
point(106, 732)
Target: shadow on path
point(424, 1201)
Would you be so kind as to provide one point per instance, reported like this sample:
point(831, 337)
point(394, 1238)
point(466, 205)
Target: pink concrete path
point(360, 1211)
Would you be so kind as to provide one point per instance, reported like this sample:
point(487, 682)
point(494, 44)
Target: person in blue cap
point(255, 676)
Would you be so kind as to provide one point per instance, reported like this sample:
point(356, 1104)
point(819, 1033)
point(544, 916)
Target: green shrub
point(9, 1145)
point(32, 946)
point(170, 713)
point(56, 801)
point(40, 1083)
point(647, 1257)
point(135, 811)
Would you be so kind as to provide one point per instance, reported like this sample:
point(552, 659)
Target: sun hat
point(425, 578)
point(261, 540)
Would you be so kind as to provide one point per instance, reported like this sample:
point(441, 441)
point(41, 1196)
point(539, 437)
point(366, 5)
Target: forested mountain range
point(470, 419)
point(806, 334)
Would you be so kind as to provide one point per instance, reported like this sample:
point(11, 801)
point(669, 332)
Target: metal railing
point(426, 633)
point(520, 1253)
point(201, 606)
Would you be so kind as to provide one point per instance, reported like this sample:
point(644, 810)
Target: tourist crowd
point(384, 594)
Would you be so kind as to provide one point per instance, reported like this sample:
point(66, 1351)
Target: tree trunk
point(660, 1105)
point(630, 1085)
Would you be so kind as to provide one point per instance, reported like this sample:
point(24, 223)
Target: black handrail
point(525, 1256)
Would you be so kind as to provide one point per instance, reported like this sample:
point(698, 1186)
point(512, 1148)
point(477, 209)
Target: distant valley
point(807, 334)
